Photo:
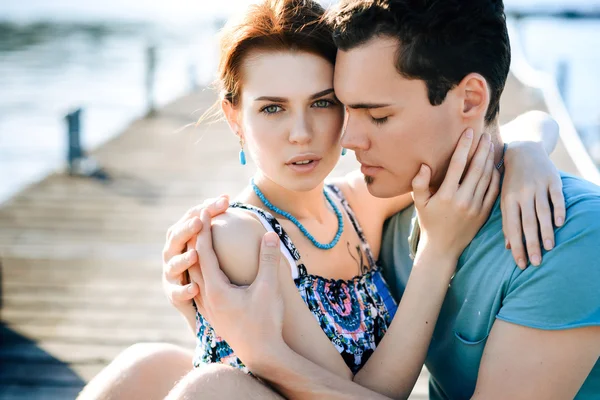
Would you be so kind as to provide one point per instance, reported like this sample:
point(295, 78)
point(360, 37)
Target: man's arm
point(546, 337)
point(525, 363)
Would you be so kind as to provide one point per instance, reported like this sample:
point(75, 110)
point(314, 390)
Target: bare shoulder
point(236, 239)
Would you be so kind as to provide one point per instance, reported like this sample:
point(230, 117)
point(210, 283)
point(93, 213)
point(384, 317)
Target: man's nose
point(353, 136)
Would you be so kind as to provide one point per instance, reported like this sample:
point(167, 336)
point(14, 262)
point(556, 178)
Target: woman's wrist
point(436, 260)
point(434, 250)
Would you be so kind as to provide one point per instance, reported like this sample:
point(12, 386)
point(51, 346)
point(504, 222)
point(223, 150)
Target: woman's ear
point(475, 96)
point(232, 115)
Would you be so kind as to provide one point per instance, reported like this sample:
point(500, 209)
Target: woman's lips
point(304, 168)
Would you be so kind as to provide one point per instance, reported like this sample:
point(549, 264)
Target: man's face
point(391, 125)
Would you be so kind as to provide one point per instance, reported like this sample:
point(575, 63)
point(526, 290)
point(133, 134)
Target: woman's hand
point(531, 181)
point(450, 218)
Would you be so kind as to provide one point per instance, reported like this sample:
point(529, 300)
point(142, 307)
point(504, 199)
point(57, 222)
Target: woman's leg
point(217, 381)
point(143, 371)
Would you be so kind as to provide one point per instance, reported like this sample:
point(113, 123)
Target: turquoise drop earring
point(344, 151)
point(242, 154)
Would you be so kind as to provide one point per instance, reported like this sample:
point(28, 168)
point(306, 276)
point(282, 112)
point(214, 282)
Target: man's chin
point(382, 188)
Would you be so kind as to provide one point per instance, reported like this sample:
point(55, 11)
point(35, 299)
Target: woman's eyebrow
point(321, 93)
point(276, 99)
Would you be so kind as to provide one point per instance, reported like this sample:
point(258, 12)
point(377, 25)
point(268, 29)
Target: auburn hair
point(277, 25)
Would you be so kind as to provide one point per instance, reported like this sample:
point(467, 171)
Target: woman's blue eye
point(272, 109)
point(322, 103)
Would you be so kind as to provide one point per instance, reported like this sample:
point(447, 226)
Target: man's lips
point(369, 170)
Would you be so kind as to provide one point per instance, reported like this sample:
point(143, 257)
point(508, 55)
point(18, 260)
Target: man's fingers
point(195, 273)
point(420, 185)
point(514, 229)
point(468, 186)
point(458, 162)
point(211, 270)
point(180, 234)
point(531, 230)
point(544, 216)
point(270, 256)
point(558, 203)
point(178, 264)
point(213, 206)
point(182, 293)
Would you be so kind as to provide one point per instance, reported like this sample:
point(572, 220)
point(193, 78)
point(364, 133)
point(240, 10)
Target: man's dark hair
point(441, 41)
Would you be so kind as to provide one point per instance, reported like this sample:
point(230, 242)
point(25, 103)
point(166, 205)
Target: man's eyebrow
point(367, 105)
point(276, 99)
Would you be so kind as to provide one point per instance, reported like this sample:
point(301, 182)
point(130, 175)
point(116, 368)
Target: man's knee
point(220, 381)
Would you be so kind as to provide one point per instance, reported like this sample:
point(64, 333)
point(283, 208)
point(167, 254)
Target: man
point(411, 73)
point(408, 70)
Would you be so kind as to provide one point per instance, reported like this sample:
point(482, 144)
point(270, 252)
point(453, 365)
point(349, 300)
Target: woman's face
point(290, 118)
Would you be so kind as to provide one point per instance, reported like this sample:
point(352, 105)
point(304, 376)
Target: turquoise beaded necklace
point(323, 246)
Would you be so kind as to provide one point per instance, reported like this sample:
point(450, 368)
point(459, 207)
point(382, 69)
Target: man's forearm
point(298, 378)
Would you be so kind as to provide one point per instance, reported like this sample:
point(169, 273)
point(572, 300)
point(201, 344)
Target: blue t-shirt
point(563, 293)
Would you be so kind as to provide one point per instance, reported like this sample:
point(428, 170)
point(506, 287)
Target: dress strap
point(271, 224)
point(361, 236)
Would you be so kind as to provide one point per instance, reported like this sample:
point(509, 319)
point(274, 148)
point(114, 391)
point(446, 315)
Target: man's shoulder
point(576, 190)
point(582, 201)
point(562, 293)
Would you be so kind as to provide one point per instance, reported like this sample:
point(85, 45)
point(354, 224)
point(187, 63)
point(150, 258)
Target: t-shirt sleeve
point(564, 292)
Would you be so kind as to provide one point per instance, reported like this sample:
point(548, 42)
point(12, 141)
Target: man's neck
point(494, 131)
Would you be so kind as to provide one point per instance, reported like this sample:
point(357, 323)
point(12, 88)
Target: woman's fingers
point(493, 190)
point(544, 215)
point(558, 202)
point(514, 230)
point(476, 167)
point(531, 230)
point(484, 181)
point(421, 193)
point(457, 165)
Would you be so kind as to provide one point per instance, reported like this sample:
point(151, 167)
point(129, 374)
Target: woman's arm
point(532, 126)
point(449, 219)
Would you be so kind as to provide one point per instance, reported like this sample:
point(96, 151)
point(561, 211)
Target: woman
point(276, 78)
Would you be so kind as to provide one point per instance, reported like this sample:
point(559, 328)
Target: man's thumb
point(420, 185)
point(269, 258)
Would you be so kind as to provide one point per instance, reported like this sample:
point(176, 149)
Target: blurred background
point(138, 70)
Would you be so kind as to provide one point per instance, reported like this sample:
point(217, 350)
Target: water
point(52, 61)
point(55, 56)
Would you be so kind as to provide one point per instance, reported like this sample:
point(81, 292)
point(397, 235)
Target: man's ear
point(232, 115)
point(475, 96)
